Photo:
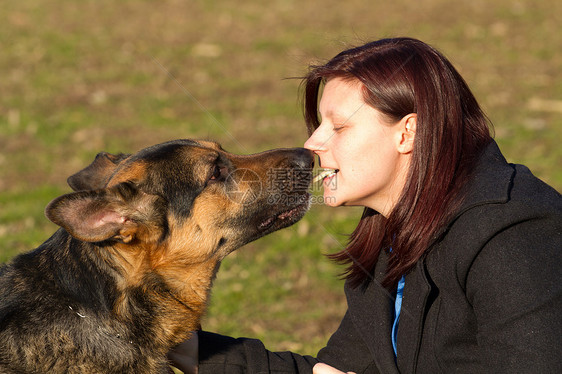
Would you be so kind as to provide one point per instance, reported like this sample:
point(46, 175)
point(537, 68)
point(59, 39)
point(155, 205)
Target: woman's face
point(367, 152)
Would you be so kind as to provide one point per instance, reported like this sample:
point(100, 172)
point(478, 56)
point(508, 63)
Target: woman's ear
point(407, 126)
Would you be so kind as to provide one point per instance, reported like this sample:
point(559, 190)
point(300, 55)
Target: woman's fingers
point(321, 368)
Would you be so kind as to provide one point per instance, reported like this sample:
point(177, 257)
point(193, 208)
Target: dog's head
point(185, 198)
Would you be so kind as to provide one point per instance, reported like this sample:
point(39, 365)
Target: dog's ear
point(97, 174)
point(94, 216)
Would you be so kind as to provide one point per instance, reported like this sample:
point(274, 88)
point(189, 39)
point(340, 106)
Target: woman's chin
point(331, 200)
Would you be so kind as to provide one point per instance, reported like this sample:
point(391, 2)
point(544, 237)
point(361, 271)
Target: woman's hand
point(185, 356)
point(321, 368)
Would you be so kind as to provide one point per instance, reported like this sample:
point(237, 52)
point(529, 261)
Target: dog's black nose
point(287, 158)
point(302, 158)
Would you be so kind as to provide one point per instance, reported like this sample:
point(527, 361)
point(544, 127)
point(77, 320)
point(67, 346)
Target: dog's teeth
point(324, 174)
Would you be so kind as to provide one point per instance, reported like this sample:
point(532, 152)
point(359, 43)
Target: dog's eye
point(216, 173)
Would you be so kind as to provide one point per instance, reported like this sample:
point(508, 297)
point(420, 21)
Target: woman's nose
point(317, 141)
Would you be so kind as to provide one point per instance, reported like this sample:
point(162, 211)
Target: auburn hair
point(400, 76)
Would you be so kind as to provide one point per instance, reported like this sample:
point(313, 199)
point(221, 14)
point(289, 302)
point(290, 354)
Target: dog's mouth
point(286, 217)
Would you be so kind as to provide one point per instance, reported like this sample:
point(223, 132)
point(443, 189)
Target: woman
point(455, 264)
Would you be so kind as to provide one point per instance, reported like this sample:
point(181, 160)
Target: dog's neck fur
point(176, 303)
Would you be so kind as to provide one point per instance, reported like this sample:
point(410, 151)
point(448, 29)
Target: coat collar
point(416, 293)
point(490, 183)
point(371, 308)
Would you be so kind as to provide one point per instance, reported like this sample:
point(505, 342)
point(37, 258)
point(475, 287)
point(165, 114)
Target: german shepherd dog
point(128, 274)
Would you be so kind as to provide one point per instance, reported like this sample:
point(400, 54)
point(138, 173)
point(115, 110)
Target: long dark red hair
point(400, 76)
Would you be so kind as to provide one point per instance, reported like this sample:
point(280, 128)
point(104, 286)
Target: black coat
point(487, 297)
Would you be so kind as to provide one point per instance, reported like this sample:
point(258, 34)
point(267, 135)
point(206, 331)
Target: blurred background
point(80, 77)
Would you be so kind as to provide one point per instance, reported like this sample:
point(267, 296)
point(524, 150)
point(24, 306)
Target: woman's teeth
point(325, 173)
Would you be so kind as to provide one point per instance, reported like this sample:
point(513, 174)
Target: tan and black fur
point(128, 274)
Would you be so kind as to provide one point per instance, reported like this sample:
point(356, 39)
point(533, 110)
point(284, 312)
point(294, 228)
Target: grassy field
point(82, 77)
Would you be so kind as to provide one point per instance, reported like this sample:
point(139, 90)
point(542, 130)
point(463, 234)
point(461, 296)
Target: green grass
point(22, 225)
point(82, 77)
